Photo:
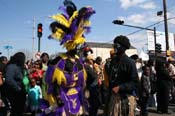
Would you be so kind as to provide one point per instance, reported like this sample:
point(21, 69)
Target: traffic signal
point(158, 48)
point(40, 30)
point(119, 22)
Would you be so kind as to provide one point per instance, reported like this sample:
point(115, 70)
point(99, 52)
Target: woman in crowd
point(15, 90)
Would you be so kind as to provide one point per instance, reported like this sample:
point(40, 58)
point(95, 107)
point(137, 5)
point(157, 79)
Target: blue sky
point(16, 24)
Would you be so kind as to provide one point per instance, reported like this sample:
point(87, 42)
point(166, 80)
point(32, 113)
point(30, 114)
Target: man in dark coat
point(123, 80)
point(163, 86)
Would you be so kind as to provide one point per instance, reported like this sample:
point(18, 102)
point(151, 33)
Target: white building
point(103, 49)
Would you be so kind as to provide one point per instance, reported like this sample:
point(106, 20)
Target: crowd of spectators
point(25, 83)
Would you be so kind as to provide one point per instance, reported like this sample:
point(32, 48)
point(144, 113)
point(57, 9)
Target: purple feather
point(66, 38)
point(74, 26)
point(88, 29)
point(63, 8)
point(88, 14)
point(70, 35)
point(84, 14)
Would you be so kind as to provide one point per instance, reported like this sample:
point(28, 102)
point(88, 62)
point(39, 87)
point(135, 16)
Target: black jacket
point(13, 78)
point(91, 77)
point(145, 86)
point(124, 74)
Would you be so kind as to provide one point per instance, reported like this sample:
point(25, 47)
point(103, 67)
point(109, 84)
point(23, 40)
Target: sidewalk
point(152, 111)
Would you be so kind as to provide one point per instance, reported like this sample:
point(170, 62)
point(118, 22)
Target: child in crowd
point(145, 90)
point(34, 95)
point(37, 72)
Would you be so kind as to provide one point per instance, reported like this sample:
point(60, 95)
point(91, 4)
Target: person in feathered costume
point(66, 75)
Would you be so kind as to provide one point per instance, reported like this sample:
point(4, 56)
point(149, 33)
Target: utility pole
point(166, 26)
point(155, 42)
point(33, 38)
point(39, 43)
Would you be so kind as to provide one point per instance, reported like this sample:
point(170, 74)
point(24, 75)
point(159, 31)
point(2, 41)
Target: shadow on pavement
point(152, 111)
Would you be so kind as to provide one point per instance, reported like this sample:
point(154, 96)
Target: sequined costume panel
point(70, 77)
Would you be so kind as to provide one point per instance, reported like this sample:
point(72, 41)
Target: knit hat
point(122, 40)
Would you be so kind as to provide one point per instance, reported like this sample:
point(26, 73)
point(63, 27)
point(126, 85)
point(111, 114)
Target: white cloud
point(137, 19)
point(129, 3)
point(125, 4)
point(171, 22)
point(148, 5)
point(170, 15)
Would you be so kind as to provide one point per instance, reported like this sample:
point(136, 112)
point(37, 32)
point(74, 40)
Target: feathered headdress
point(70, 26)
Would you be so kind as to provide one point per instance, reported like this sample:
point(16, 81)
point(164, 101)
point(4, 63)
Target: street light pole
point(39, 43)
point(120, 22)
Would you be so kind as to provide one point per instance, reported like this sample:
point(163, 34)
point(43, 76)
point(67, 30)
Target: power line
point(139, 40)
point(149, 26)
point(142, 35)
point(139, 30)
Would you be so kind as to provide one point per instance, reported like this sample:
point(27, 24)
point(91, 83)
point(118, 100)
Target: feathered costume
point(65, 78)
point(70, 27)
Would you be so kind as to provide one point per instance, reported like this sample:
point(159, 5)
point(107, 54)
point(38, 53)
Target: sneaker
point(137, 109)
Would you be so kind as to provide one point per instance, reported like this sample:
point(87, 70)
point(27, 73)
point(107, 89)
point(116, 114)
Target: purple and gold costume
point(65, 78)
point(70, 82)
